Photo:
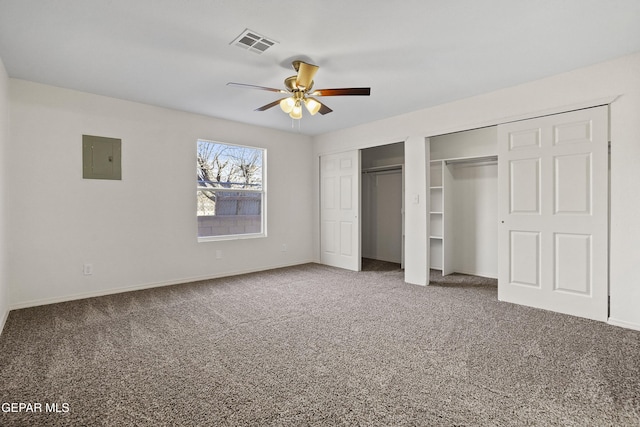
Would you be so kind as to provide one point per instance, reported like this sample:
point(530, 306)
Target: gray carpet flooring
point(316, 346)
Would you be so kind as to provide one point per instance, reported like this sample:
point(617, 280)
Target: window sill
point(231, 237)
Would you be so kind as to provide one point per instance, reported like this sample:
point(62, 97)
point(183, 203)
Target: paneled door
point(340, 210)
point(553, 212)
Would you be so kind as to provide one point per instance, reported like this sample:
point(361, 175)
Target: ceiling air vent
point(253, 41)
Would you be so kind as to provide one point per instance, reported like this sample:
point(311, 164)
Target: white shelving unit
point(436, 216)
point(440, 215)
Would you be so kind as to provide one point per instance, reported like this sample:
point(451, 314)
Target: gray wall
point(4, 137)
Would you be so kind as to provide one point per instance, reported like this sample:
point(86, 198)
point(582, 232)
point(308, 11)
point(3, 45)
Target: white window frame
point(262, 191)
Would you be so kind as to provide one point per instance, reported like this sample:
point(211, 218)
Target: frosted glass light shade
point(287, 104)
point(312, 105)
point(296, 111)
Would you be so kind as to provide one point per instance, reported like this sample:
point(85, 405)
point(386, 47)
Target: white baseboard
point(487, 275)
point(84, 295)
point(624, 324)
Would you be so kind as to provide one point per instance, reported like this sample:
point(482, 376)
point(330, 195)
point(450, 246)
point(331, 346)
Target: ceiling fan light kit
point(299, 87)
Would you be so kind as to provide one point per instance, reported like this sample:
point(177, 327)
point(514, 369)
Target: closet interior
point(382, 203)
point(463, 199)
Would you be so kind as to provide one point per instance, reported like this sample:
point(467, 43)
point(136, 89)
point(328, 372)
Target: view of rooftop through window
point(230, 189)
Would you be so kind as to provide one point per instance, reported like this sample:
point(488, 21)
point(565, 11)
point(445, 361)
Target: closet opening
point(382, 207)
point(463, 213)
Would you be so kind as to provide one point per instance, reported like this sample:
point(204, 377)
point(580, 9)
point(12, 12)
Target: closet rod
point(382, 169)
point(472, 160)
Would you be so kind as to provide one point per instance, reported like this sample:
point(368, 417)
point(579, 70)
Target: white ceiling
point(412, 53)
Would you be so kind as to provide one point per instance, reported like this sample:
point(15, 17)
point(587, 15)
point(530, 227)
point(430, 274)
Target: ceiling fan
point(299, 91)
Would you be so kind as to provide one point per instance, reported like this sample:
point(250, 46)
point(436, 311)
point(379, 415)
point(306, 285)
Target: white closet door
point(339, 210)
point(553, 207)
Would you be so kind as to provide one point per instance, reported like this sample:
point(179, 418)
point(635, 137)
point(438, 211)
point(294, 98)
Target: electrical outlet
point(218, 254)
point(284, 247)
point(87, 269)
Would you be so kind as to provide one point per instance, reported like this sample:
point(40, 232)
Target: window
point(230, 191)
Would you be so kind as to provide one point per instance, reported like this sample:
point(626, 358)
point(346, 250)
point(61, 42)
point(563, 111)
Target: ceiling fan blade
point(361, 91)
point(306, 72)
point(324, 109)
point(270, 89)
point(269, 105)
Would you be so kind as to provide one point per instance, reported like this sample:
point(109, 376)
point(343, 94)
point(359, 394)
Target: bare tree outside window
point(229, 189)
